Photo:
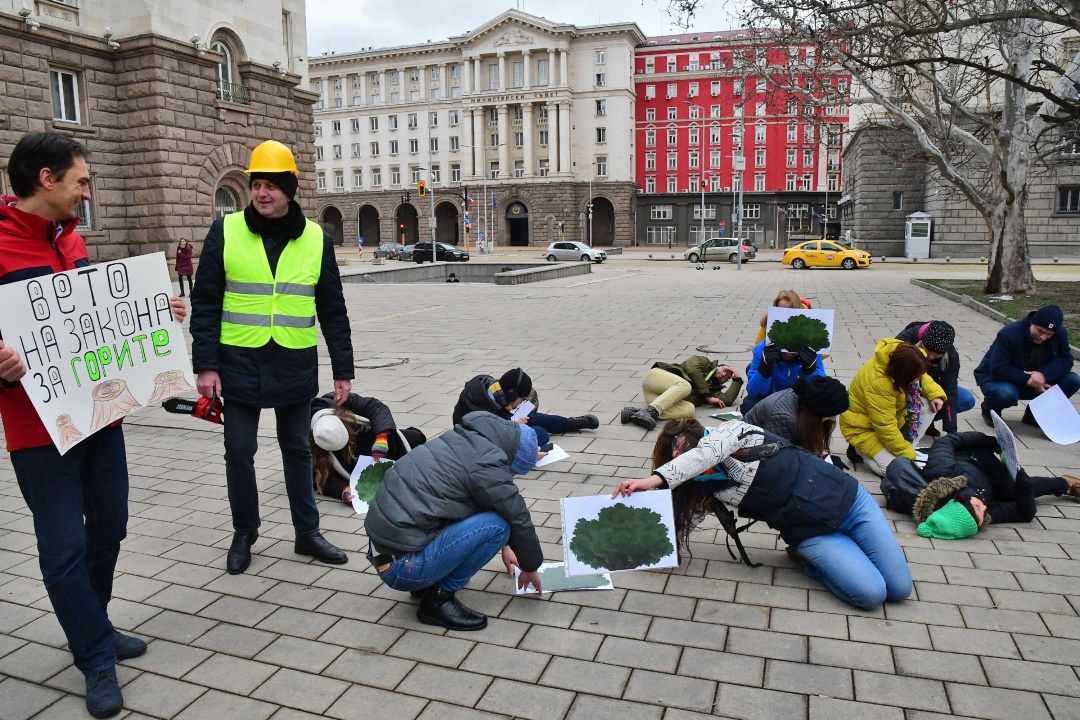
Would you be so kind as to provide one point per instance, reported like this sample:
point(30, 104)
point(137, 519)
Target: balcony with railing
point(233, 92)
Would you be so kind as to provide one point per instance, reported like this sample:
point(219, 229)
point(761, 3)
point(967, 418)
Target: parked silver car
point(568, 250)
point(720, 249)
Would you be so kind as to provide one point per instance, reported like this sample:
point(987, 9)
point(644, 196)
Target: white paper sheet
point(522, 411)
point(730, 414)
point(1056, 416)
point(553, 578)
point(554, 455)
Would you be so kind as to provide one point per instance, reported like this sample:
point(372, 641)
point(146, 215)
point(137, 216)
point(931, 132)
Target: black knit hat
point(1048, 316)
point(822, 396)
point(938, 337)
point(515, 384)
point(286, 181)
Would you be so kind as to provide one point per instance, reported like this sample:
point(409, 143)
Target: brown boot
point(1074, 485)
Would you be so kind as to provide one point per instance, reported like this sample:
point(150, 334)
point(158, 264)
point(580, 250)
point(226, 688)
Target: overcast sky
point(345, 25)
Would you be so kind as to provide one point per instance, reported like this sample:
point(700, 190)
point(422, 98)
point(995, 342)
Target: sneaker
point(127, 647)
point(103, 697)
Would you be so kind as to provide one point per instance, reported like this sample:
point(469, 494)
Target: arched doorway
point(517, 218)
point(407, 226)
point(447, 228)
point(367, 222)
point(331, 222)
point(603, 222)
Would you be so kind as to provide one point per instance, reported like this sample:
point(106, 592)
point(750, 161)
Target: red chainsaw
point(210, 409)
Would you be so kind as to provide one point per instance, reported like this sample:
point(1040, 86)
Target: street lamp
point(701, 174)
point(589, 206)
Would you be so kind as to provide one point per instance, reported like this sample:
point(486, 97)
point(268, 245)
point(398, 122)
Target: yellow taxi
point(824, 253)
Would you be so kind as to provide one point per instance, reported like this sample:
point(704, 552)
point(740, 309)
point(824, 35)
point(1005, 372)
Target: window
point(808, 133)
point(375, 79)
point(898, 201)
point(392, 122)
point(493, 171)
point(1069, 200)
point(395, 97)
point(339, 179)
point(493, 139)
point(759, 109)
point(493, 115)
point(710, 212)
point(542, 114)
point(414, 75)
point(660, 235)
point(650, 114)
point(453, 117)
point(519, 139)
point(376, 99)
point(373, 123)
point(337, 102)
point(672, 184)
point(541, 72)
point(807, 182)
point(435, 174)
point(543, 138)
point(789, 183)
point(714, 111)
point(834, 161)
point(672, 91)
point(714, 134)
point(544, 166)
point(335, 127)
point(673, 160)
point(414, 96)
point(693, 66)
point(841, 85)
point(834, 183)
point(791, 157)
point(761, 84)
point(759, 133)
point(393, 147)
point(392, 79)
point(650, 161)
point(320, 180)
point(601, 57)
point(374, 149)
point(455, 173)
point(433, 145)
point(714, 88)
point(808, 157)
point(518, 112)
point(518, 68)
point(354, 124)
point(736, 137)
point(519, 168)
point(601, 107)
point(695, 135)
point(414, 145)
point(318, 153)
point(376, 177)
point(714, 159)
point(671, 63)
point(694, 112)
point(455, 91)
point(84, 211)
point(356, 149)
point(601, 79)
point(694, 160)
point(737, 111)
point(650, 92)
point(395, 175)
point(455, 71)
point(759, 182)
point(692, 91)
point(358, 179)
point(751, 211)
point(650, 65)
point(738, 87)
point(455, 142)
point(414, 174)
point(836, 136)
point(433, 119)
point(412, 123)
point(672, 136)
point(672, 113)
point(650, 184)
point(493, 76)
point(759, 158)
point(435, 94)
point(435, 73)
point(661, 212)
point(318, 129)
point(650, 138)
point(792, 133)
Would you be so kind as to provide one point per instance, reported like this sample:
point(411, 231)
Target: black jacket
point(1007, 500)
point(461, 473)
point(945, 371)
point(271, 375)
point(474, 397)
point(1010, 354)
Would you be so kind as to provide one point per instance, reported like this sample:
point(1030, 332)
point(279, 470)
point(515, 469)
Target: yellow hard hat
point(272, 157)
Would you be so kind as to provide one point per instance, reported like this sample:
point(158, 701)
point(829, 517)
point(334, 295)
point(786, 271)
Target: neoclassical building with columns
point(525, 117)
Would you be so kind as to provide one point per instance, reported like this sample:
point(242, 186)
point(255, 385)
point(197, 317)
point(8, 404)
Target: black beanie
point(515, 384)
point(286, 181)
point(822, 396)
point(1048, 316)
point(939, 337)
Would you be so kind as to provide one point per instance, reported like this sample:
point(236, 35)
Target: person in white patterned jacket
point(818, 509)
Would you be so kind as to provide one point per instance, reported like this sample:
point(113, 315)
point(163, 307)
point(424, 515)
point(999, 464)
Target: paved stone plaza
point(992, 629)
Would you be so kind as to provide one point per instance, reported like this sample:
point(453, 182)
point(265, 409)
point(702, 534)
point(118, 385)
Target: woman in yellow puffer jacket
point(886, 396)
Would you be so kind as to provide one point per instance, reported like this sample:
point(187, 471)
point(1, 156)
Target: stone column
point(466, 76)
point(525, 60)
point(502, 72)
point(504, 141)
point(479, 140)
point(553, 138)
point(422, 72)
point(528, 131)
point(361, 91)
point(564, 71)
point(384, 91)
point(564, 138)
point(551, 67)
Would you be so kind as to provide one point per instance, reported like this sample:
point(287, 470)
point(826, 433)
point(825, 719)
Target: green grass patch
point(1065, 295)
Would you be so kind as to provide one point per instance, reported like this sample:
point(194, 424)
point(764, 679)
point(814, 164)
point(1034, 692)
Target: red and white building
point(702, 99)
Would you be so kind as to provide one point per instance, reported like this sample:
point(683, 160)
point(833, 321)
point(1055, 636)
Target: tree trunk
point(1009, 269)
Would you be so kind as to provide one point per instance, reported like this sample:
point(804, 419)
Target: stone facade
point(163, 137)
point(879, 161)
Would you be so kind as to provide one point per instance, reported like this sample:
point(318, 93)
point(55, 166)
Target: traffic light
point(421, 189)
point(468, 227)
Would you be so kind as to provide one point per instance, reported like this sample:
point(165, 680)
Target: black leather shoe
point(239, 556)
point(986, 418)
point(103, 698)
point(439, 607)
point(127, 647)
point(317, 547)
point(1028, 418)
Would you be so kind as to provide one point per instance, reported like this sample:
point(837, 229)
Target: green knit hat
point(950, 522)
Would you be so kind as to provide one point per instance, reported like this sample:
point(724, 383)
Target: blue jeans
point(1000, 395)
point(79, 503)
point(452, 557)
point(241, 442)
point(861, 564)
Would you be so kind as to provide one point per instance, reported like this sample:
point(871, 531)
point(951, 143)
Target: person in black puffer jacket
point(936, 339)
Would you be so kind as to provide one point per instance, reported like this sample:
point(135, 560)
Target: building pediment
point(514, 30)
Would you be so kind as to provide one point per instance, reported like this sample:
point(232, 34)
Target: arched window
point(224, 68)
point(225, 202)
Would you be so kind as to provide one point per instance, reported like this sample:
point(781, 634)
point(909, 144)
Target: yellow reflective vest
point(260, 306)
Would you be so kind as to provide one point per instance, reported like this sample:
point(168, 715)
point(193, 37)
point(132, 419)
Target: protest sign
point(98, 343)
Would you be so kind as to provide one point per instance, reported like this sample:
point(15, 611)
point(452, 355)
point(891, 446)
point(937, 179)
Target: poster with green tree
point(605, 535)
point(553, 578)
point(365, 480)
point(795, 328)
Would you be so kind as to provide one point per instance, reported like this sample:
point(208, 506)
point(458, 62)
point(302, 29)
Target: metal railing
point(233, 92)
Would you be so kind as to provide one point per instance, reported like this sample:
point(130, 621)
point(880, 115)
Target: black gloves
point(808, 358)
point(769, 355)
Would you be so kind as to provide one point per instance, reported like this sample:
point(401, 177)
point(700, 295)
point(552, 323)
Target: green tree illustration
point(621, 538)
point(800, 331)
point(555, 578)
point(370, 478)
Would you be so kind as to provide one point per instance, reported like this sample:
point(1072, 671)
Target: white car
point(567, 250)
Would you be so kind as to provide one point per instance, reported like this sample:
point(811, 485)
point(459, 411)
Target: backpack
point(901, 485)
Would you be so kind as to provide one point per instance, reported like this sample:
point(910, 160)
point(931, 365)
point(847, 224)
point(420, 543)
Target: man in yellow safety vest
point(264, 276)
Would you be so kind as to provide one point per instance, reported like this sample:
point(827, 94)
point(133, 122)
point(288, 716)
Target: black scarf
point(287, 227)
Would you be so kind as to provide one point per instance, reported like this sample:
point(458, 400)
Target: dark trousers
point(189, 285)
point(241, 442)
point(79, 504)
point(546, 425)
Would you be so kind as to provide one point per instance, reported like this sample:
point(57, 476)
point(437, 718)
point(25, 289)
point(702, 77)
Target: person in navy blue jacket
point(772, 370)
point(1027, 358)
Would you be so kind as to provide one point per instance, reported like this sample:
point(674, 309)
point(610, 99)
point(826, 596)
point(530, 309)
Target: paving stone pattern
point(992, 629)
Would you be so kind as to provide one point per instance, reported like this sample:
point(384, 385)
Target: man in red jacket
point(79, 499)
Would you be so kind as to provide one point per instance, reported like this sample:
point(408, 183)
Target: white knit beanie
point(328, 431)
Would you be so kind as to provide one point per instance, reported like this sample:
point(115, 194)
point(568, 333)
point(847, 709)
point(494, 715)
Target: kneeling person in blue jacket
point(445, 509)
point(772, 370)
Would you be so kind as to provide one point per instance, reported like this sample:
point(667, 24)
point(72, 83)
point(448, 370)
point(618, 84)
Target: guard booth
point(917, 236)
